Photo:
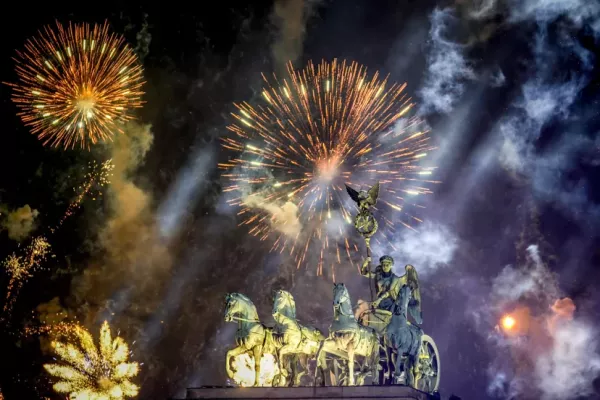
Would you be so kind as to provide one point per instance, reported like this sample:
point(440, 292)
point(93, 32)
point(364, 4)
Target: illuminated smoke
point(283, 217)
point(132, 260)
point(184, 193)
point(447, 68)
point(290, 18)
point(428, 248)
point(554, 353)
point(19, 223)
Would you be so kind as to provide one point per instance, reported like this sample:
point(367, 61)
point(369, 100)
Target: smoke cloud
point(570, 366)
point(284, 217)
point(132, 261)
point(289, 18)
point(430, 247)
point(18, 223)
point(549, 345)
point(447, 67)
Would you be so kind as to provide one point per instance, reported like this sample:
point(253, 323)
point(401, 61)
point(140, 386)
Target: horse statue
point(293, 338)
point(403, 339)
point(349, 337)
point(251, 336)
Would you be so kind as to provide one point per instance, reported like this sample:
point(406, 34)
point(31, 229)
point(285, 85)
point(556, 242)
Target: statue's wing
point(374, 194)
point(353, 194)
point(414, 306)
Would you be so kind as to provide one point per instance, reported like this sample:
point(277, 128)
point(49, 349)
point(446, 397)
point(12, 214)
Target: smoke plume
point(429, 248)
point(18, 223)
point(132, 261)
point(284, 217)
point(447, 69)
point(554, 353)
point(289, 18)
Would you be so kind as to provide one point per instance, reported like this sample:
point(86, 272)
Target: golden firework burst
point(312, 132)
point(77, 84)
point(90, 372)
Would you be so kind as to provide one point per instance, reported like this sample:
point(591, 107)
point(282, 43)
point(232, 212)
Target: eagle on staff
point(364, 222)
point(365, 199)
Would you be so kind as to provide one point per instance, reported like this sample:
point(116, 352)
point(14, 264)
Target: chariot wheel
point(427, 368)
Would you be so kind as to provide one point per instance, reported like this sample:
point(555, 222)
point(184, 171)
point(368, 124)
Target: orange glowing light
point(508, 322)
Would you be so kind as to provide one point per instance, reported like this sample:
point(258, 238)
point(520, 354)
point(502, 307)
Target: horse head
point(340, 295)
point(285, 304)
point(235, 303)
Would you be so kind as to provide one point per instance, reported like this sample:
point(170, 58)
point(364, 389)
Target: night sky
point(510, 92)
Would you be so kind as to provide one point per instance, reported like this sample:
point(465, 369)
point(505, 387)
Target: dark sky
point(509, 89)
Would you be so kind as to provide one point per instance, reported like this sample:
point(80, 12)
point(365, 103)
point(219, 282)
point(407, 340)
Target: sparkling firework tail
point(316, 130)
point(77, 84)
point(87, 370)
point(22, 267)
point(98, 175)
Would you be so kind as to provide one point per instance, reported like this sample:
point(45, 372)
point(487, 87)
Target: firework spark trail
point(98, 175)
point(22, 267)
point(93, 372)
point(66, 330)
point(77, 84)
point(317, 129)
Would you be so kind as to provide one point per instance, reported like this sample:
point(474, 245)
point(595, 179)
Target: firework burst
point(76, 84)
point(314, 131)
point(91, 372)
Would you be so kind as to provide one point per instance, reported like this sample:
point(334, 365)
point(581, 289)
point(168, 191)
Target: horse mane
point(248, 303)
point(286, 304)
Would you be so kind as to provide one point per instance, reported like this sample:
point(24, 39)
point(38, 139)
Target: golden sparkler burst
point(77, 84)
point(314, 131)
point(20, 268)
point(91, 372)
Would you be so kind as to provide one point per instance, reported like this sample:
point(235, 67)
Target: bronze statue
point(388, 285)
point(294, 338)
point(364, 222)
point(250, 337)
point(412, 356)
point(365, 199)
point(402, 340)
point(350, 338)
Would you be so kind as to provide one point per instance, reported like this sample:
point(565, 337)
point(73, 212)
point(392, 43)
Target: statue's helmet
point(386, 258)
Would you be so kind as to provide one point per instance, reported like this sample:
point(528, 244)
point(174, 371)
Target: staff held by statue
point(364, 221)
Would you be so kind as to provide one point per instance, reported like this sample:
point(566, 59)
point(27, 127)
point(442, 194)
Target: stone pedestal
point(310, 393)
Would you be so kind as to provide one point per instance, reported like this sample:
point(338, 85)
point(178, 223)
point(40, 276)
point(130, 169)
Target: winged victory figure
point(365, 199)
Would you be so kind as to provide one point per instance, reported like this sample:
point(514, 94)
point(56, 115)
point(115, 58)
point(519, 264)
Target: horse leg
point(283, 351)
point(257, 350)
point(304, 368)
point(374, 360)
point(351, 363)
point(231, 354)
point(294, 369)
point(321, 363)
point(408, 368)
point(398, 367)
point(391, 366)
